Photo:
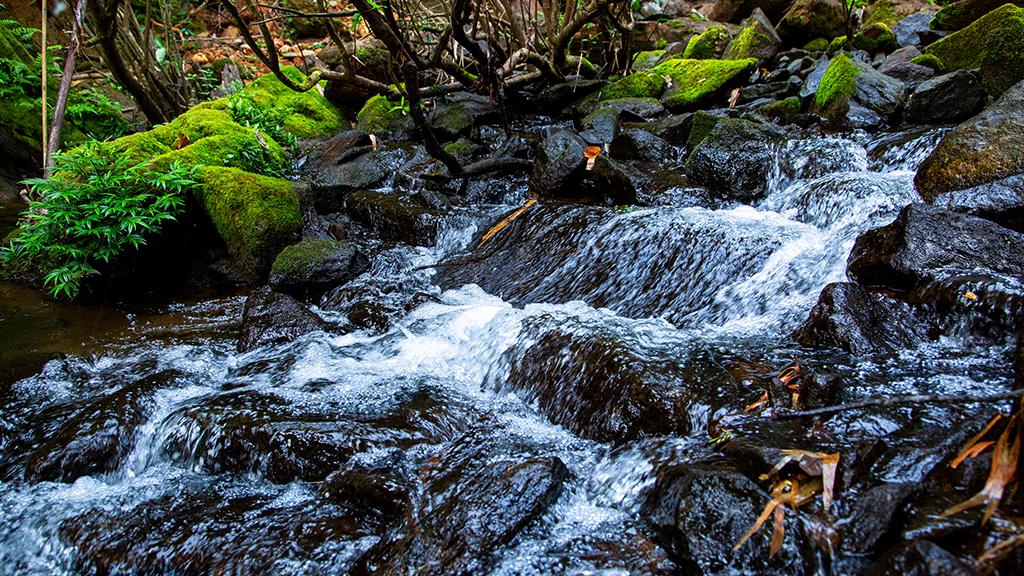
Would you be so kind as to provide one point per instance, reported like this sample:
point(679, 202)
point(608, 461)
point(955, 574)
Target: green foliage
point(95, 207)
point(268, 120)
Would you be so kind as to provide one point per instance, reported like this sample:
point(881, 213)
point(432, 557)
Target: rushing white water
point(740, 278)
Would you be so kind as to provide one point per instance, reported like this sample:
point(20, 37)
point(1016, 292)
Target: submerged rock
point(985, 148)
point(395, 216)
point(920, 558)
point(924, 240)
point(858, 321)
point(273, 318)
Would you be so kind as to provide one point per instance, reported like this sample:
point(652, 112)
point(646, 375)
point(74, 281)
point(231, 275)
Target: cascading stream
point(223, 447)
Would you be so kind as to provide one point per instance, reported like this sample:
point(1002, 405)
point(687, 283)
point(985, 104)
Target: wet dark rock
point(925, 239)
point(241, 531)
point(913, 29)
point(858, 321)
point(813, 79)
point(948, 98)
point(560, 171)
point(871, 517)
point(881, 94)
point(899, 56)
point(988, 147)
point(98, 436)
point(246, 432)
point(910, 73)
point(734, 159)
point(376, 303)
point(460, 113)
point(634, 109)
point(395, 216)
point(600, 126)
point(994, 308)
point(1001, 201)
point(557, 96)
point(636, 144)
point(474, 503)
point(766, 90)
point(920, 558)
point(674, 129)
point(273, 318)
point(685, 510)
point(603, 386)
point(383, 489)
point(313, 266)
point(629, 552)
point(330, 177)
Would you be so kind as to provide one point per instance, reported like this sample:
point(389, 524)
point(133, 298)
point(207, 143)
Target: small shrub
point(95, 206)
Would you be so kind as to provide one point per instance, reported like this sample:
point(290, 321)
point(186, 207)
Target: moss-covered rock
point(967, 48)
point(837, 85)
point(637, 85)
point(255, 215)
point(837, 44)
point(1003, 65)
point(462, 149)
point(647, 59)
point(212, 138)
point(139, 147)
point(958, 15)
point(928, 60)
point(13, 46)
point(304, 114)
point(707, 45)
point(381, 117)
point(809, 19)
point(314, 265)
point(881, 12)
point(757, 39)
point(694, 83)
point(783, 110)
point(817, 45)
point(875, 38)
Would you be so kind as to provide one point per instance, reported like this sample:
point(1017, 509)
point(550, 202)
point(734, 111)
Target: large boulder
point(736, 10)
point(957, 15)
point(696, 83)
point(734, 159)
point(560, 171)
point(985, 148)
point(995, 38)
point(858, 321)
point(314, 265)
point(925, 240)
point(853, 94)
point(273, 318)
point(395, 216)
point(757, 39)
point(809, 19)
point(951, 97)
point(1001, 201)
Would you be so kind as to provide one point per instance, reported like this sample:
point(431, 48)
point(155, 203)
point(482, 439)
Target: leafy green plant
point(95, 207)
point(246, 112)
point(401, 106)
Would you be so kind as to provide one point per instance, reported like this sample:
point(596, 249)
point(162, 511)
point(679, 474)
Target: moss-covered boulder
point(256, 216)
point(313, 266)
point(985, 148)
point(459, 113)
point(837, 44)
point(929, 61)
point(757, 39)
point(889, 12)
point(1003, 65)
point(695, 83)
point(967, 48)
point(809, 19)
point(783, 111)
point(875, 38)
point(707, 45)
point(852, 94)
point(817, 45)
point(385, 119)
point(637, 85)
point(958, 15)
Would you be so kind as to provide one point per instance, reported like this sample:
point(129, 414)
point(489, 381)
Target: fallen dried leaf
point(506, 221)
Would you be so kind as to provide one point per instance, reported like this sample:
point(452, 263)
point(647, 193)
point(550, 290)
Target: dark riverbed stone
point(920, 558)
point(988, 147)
point(606, 386)
point(1001, 201)
point(858, 321)
point(559, 171)
point(948, 98)
point(913, 29)
point(734, 159)
point(376, 303)
point(213, 531)
point(381, 489)
point(809, 19)
point(910, 73)
point(637, 144)
point(98, 436)
point(700, 511)
point(273, 318)
point(924, 240)
point(871, 516)
point(478, 496)
point(851, 86)
point(459, 113)
point(313, 266)
point(395, 216)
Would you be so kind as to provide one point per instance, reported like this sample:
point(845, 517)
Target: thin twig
point(896, 401)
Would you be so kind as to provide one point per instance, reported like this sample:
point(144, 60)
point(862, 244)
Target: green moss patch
point(837, 85)
point(647, 59)
point(1003, 65)
point(929, 60)
point(967, 48)
point(781, 110)
point(386, 119)
point(749, 43)
point(875, 38)
point(255, 215)
point(693, 83)
point(837, 44)
point(817, 45)
point(637, 85)
point(707, 45)
point(298, 258)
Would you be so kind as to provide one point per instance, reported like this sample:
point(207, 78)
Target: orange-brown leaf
point(828, 478)
point(778, 531)
point(506, 221)
point(768, 509)
point(963, 455)
point(592, 151)
point(1003, 470)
